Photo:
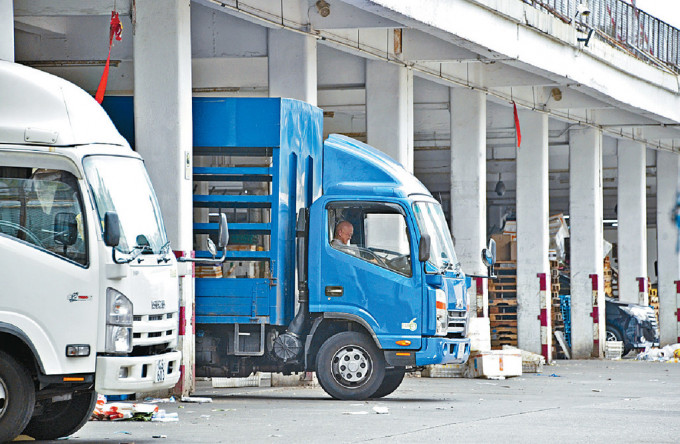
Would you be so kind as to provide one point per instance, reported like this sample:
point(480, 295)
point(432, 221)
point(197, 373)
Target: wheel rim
point(3, 397)
point(611, 336)
point(352, 366)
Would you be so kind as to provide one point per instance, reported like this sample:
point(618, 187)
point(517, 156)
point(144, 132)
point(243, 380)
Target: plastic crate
point(613, 350)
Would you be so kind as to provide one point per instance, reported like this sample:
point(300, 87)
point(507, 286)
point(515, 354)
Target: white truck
point(88, 282)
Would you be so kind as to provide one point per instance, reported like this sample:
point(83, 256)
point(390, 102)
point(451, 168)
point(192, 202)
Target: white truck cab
point(89, 295)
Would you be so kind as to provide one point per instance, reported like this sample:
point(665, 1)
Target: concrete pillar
point(585, 217)
point(7, 30)
point(632, 216)
point(292, 65)
point(468, 181)
point(532, 229)
point(668, 265)
point(389, 110)
point(162, 70)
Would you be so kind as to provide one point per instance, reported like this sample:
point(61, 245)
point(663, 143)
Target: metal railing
point(622, 25)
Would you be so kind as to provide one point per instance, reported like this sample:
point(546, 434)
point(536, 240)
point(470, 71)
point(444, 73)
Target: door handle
point(335, 291)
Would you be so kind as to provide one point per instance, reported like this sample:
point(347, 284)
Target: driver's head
point(344, 231)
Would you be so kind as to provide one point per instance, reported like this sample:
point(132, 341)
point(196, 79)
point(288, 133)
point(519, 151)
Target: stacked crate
point(503, 305)
point(608, 278)
point(556, 315)
point(555, 310)
point(654, 301)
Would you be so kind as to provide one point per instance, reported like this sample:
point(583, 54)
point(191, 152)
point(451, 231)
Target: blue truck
point(291, 296)
point(360, 312)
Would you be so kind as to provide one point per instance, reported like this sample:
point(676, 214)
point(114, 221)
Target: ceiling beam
point(55, 8)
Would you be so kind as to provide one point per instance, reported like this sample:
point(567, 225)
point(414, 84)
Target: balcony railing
point(622, 25)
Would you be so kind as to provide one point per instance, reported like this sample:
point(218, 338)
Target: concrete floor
point(572, 401)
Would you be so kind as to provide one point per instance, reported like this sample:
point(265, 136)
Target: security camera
point(583, 9)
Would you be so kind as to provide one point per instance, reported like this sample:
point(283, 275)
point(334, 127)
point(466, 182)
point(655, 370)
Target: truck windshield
point(121, 184)
point(431, 220)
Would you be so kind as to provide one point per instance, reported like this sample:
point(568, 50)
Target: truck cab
point(89, 298)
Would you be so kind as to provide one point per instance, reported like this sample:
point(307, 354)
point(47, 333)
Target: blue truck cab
point(290, 295)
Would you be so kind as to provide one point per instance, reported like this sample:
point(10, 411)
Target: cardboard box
point(504, 244)
point(496, 364)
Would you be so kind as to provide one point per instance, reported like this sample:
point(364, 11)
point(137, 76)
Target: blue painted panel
point(200, 228)
point(373, 172)
point(244, 255)
point(241, 201)
point(292, 131)
point(235, 122)
point(232, 320)
point(232, 297)
point(121, 111)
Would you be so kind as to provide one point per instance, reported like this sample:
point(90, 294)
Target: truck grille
point(154, 329)
point(458, 323)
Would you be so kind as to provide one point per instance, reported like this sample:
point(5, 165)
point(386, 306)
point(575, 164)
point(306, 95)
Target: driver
point(343, 233)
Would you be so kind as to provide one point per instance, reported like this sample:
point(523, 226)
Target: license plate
point(161, 366)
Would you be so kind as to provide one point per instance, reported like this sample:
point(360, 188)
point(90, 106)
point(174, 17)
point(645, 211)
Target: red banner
point(518, 132)
point(115, 30)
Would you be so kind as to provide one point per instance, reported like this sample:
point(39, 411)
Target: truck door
point(49, 286)
point(367, 269)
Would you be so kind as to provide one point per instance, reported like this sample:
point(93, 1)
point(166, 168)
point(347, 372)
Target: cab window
point(43, 208)
point(374, 232)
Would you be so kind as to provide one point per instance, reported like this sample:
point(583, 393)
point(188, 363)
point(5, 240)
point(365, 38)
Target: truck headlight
point(442, 313)
point(118, 322)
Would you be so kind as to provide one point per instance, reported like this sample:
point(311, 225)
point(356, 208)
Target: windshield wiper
point(164, 256)
point(137, 250)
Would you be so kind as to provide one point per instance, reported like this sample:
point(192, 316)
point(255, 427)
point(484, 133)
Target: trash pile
point(126, 411)
point(669, 353)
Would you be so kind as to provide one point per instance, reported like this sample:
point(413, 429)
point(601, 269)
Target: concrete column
point(389, 110)
point(292, 65)
point(162, 70)
point(585, 217)
point(468, 181)
point(632, 216)
point(667, 174)
point(532, 229)
point(7, 30)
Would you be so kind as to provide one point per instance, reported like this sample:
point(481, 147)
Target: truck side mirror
point(223, 233)
point(489, 254)
point(489, 257)
point(65, 229)
point(111, 229)
point(424, 248)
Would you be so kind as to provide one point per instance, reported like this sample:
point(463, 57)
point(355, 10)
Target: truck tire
point(59, 419)
point(392, 381)
point(349, 366)
point(17, 397)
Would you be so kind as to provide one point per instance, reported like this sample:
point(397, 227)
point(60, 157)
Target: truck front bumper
point(443, 351)
point(121, 375)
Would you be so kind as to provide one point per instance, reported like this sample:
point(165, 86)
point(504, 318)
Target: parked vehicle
point(89, 294)
point(392, 300)
point(635, 325)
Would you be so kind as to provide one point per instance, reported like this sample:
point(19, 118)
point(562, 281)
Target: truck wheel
point(17, 397)
point(63, 418)
point(349, 366)
point(392, 381)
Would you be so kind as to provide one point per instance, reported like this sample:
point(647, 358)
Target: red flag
point(115, 30)
point(517, 129)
